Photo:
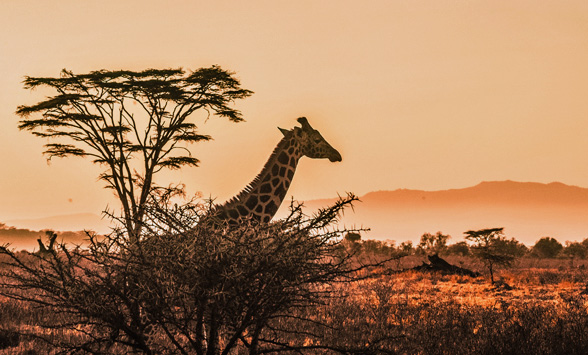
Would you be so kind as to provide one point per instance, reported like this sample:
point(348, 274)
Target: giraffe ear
point(284, 131)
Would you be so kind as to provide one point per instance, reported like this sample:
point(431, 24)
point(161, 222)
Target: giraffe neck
point(261, 199)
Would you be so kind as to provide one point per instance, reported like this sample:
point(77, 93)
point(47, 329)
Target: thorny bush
point(191, 284)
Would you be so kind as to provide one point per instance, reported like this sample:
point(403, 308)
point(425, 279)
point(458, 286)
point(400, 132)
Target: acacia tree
point(172, 279)
point(133, 123)
point(491, 246)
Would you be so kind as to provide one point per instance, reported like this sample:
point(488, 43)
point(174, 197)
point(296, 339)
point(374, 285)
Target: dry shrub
point(214, 288)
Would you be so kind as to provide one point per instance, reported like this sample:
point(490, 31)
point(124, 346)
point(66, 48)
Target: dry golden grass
point(431, 313)
point(422, 313)
point(545, 280)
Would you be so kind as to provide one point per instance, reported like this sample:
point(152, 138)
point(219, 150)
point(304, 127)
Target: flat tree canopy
point(491, 247)
point(123, 117)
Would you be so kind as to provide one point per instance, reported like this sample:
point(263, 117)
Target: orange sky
point(414, 94)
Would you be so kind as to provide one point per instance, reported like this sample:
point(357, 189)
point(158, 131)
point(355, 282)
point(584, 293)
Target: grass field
point(545, 312)
point(411, 312)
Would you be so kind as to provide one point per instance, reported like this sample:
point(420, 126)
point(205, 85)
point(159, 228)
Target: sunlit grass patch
point(417, 313)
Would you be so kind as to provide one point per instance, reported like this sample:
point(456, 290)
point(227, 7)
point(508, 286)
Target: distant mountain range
point(527, 211)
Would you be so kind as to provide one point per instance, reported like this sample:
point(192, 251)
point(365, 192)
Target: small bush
point(547, 247)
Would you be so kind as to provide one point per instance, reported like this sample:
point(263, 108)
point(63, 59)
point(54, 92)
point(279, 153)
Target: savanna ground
point(413, 312)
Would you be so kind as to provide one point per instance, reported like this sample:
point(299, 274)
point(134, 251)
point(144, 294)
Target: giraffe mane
point(257, 179)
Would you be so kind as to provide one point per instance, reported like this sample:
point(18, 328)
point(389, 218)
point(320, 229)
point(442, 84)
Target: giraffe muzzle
point(335, 156)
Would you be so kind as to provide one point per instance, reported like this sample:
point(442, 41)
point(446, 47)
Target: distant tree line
point(546, 247)
point(23, 235)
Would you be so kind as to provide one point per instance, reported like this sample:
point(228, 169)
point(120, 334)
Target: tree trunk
point(213, 335)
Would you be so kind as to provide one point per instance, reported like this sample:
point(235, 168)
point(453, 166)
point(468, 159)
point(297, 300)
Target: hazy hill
point(23, 233)
point(528, 211)
point(69, 222)
point(20, 238)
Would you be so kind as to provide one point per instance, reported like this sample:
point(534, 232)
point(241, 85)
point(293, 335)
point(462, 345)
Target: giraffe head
point(313, 145)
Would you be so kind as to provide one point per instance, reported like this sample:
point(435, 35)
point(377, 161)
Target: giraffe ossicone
point(261, 199)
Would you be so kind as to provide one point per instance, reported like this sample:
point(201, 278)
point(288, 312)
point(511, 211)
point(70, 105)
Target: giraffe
point(261, 199)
